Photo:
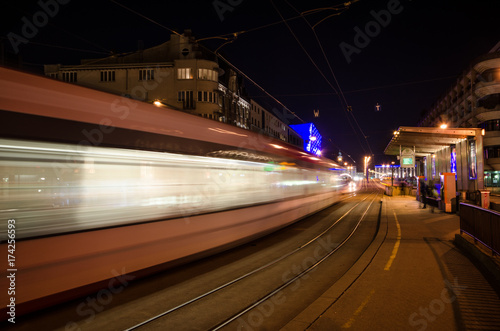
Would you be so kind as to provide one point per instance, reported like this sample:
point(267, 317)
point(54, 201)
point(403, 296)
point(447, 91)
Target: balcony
point(485, 114)
point(491, 138)
point(483, 89)
point(487, 61)
point(494, 163)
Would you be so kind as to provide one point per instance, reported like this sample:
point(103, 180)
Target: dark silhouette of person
point(423, 193)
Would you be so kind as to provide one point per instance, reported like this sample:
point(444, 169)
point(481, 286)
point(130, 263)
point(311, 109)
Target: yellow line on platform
point(396, 245)
point(348, 324)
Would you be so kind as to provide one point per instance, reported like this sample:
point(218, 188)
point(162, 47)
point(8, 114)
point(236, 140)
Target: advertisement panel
point(453, 159)
point(472, 159)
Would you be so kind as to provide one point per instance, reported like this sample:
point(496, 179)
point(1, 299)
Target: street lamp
point(367, 160)
point(392, 175)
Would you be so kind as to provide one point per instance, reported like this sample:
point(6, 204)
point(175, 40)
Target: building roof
point(427, 140)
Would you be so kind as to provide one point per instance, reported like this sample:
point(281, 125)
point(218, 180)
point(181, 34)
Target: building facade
point(265, 122)
point(386, 171)
point(474, 102)
point(181, 75)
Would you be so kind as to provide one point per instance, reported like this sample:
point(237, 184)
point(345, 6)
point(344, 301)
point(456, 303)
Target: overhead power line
point(145, 17)
point(366, 89)
point(343, 101)
point(326, 79)
point(229, 37)
point(261, 88)
point(309, 12)
point(348, 107)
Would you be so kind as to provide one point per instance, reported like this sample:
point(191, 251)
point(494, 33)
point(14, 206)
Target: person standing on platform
point(423, 193)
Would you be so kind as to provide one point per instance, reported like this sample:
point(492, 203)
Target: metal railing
point(481, 224)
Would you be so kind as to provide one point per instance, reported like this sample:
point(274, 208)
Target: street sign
point(407, 158)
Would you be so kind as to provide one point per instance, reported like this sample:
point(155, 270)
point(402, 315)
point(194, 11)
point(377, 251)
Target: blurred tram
point(100, 185)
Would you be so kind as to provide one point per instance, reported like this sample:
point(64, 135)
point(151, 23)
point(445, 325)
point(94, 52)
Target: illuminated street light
point(367, 160)
point(444, 126)
point(392, 174)
point(157, 103)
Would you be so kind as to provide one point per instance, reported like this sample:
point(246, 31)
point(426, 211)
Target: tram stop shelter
point(435, 152)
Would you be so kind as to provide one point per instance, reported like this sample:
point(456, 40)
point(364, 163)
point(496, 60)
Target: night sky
point(405, 66)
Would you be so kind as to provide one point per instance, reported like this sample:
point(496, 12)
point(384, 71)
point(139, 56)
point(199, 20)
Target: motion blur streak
point(56, 188)
point(95, 187)
point(186, 204)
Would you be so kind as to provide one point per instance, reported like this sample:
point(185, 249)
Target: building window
point(107, 76)
point(184, 73)
point(207, 74)
point(492, 152)
point(205, 96)
point(181, 96)
point(186, 97)
point(146, 74)
point(491, 125)
point(69, 77)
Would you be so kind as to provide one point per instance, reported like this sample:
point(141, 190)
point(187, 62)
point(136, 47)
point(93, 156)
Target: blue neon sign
point(311, 136)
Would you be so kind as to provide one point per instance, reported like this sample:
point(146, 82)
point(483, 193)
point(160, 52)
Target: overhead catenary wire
point(237, 33)
point(261, 88)
point(233, 35)
point(228, 37)
point(341, 94)
point(340, 150)
point(145, 17)
point(368, 88)
point(319, 70)
point(346, 104)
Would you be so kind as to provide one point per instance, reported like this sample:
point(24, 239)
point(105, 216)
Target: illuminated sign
point(311, 136)
point(453, 159)
point(407, 161)
point(472, 159)
point(425, 166)
point(433, 165)
point(407, 158)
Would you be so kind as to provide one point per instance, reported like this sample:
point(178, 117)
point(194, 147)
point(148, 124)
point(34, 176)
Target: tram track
point(301, 252)
point(231, 289)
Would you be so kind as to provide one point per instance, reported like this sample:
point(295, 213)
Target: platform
point(413, 277)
